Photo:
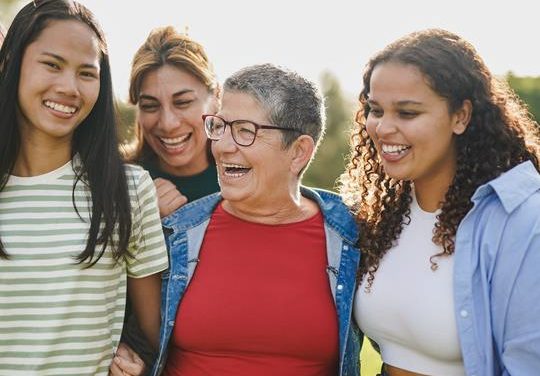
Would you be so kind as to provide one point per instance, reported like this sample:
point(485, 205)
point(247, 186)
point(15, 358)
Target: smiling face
point(171, 105)
point(411, 126)
point(59, 82)
point(255, 175)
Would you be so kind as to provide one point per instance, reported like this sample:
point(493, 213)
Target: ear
point(301, 152)
point(462, 117)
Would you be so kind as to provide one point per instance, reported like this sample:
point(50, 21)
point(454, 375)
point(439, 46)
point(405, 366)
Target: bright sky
point(311, 36)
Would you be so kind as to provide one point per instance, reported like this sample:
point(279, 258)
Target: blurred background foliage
point(330, 159)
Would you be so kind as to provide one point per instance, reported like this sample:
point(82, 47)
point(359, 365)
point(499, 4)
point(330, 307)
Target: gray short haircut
point(290, 100)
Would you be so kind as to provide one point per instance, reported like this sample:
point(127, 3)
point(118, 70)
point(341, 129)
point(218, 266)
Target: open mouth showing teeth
point(174, 142)
point(235, 170)
point(394, 149)
point(60, 107)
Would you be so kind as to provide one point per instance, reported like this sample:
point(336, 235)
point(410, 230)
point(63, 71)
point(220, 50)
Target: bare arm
point(145, 297)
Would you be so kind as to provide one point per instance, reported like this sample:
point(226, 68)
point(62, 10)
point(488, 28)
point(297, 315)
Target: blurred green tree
point(126, 121)
point(329, 161)
point(8, 8)
point(528, 89)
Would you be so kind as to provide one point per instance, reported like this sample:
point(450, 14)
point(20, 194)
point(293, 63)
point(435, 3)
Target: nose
point(226, 143)
point(169, 120)
point(385, 126)
point(68, 84)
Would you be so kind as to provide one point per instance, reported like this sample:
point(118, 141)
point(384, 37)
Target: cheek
point(92, 93)
point(371, 128)
point(213, 149)
point(200, 134)
point(147, 122)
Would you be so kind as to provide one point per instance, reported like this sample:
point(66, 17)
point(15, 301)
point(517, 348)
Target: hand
point(169, 198)
point(126, 362)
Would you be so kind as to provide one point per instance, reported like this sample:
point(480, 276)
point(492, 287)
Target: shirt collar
point(512, 187)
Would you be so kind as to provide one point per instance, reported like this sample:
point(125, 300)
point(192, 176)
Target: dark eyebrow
point(410, 102)
point(147, 97)
point(64, 61)
point(398, 103)
point(178, 93)
point(182, 92)
point(371, 102)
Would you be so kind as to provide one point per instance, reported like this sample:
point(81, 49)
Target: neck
point(430, 191)
point(289, 208)
point(38, 159)
point(192, 168)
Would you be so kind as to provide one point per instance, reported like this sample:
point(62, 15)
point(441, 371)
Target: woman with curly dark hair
point(444, 182)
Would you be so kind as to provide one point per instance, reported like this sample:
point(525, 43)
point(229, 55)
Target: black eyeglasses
point(243, 131)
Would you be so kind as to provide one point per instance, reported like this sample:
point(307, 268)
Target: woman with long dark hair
point(444, 182)
point(74, 220)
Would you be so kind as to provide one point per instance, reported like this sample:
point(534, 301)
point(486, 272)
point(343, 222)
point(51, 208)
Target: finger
point(164, 188)
point(169, 204)
point(114, 370)
point(124, 351)
point(176, 202)
point(135, 367)
point(160, 181)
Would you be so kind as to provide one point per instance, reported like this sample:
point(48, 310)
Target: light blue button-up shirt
point(497, 276)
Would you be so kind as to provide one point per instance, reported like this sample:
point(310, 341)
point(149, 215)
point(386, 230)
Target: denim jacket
point(185, 231)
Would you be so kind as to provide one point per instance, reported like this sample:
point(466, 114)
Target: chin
point(233, 194)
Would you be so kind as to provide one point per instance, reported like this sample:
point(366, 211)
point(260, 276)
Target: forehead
point(239, 105)
point(169, 80)
point(397, 82)
point(69, 39)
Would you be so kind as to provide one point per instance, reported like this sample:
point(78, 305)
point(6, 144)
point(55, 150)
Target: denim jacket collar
point(333, 209)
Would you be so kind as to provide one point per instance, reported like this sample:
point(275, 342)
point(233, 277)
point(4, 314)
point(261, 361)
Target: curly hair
point(500, 127)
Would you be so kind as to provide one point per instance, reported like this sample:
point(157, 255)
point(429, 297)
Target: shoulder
point(134, 171)
point(193, 213)
point(137, 177)
point(335, 212)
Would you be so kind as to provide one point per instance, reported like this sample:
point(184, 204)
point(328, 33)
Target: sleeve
point(520, 353)
point(148, 253)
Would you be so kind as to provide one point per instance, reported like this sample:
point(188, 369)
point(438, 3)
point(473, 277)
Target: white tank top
point(410, 309)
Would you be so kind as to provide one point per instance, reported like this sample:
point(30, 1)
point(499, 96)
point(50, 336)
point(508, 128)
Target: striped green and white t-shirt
point(56, 317)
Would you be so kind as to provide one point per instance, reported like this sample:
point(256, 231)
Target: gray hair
point(290, 100)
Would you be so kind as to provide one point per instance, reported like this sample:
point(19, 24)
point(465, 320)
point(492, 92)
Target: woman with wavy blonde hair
point(173, 84)
point(444, 182)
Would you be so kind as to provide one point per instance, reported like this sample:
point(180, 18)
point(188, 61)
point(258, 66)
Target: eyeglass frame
point(230, 124)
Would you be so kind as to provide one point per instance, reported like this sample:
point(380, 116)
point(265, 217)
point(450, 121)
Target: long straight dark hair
point(94, 140)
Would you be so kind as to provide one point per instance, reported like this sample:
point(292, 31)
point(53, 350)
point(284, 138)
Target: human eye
point(375, 112)
point(246, 128)
point(51, 64)
point(89, 75)
point(183, 103)
point(217, 124)
point(408, 114)
point(148, 106)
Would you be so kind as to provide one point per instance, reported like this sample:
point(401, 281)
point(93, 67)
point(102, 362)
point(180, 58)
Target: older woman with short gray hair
point(262, 274)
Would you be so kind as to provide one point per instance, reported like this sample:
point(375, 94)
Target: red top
point(259, 303)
